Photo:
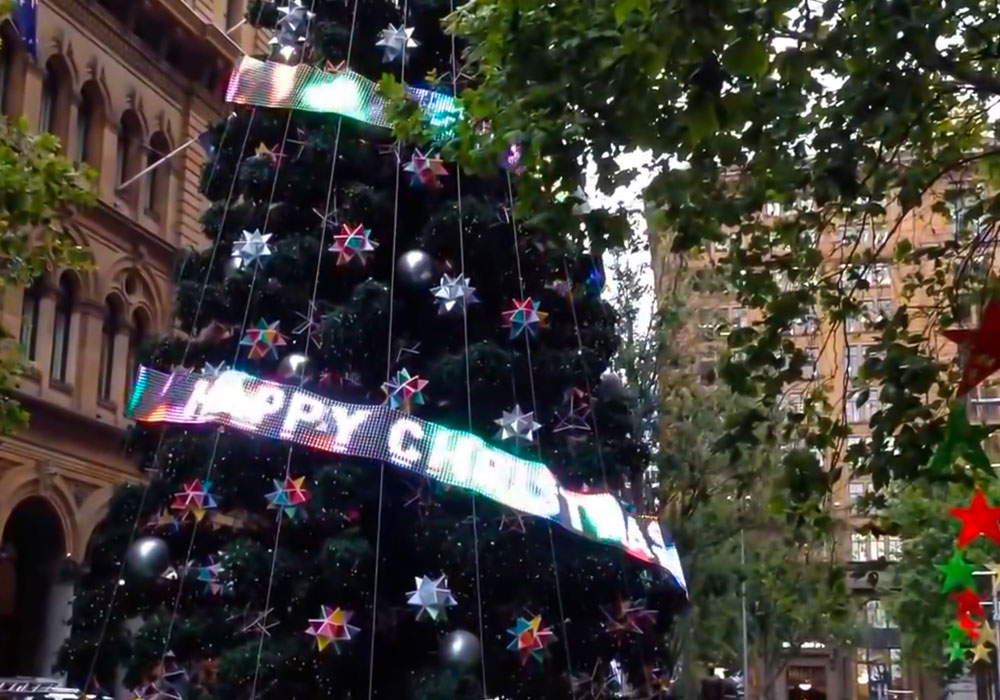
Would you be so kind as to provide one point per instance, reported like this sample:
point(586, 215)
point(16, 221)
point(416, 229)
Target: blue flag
point(26, 20)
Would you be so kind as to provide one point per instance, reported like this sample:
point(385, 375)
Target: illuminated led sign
point(379, 433)
point(306, 88)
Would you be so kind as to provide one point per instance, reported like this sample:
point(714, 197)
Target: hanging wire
point(534, 408)
point(468, 378)
point(309, 332)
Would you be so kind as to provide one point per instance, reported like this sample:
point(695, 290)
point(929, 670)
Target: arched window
point(90, 125)
point(109, 333)
point(54, 114)
point(61, 328)
point(29, 320)
point(11, 65)
point(140, 328)
point(129, 146)
point(4, 72)
point(158, 179)
point(50, 95)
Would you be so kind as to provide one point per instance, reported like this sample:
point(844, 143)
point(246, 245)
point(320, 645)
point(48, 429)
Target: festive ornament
point(164, 520)
point(454, 293)
point(563, 288)
point(265, 152)
point(517, 425)
point(210, 371)
point(415, 270)
point(395, 41)
point(956, 652)
point(253, 248)
point(594, 284)
point(288, 496)
point(530, 638)
point(981, 346)
point(575, 413)
point(978, 519)
point(957, 634)
point(209, 576)
point(524, 316)
point(195, 499)
point(513, 522)
point(404, 391)
point(511, 159)
point(294, 367)
point(961, 439)
point(258, 623)
point(969, 626)
point(967, 603)
point(626, 616)
point(292, 29)
point(985, 632)
point(461, 649)
point(426, 169)
point(263, 340)
point(332, 628)
point(981, 652)
point(957, 573)
point(432, 597)
point(353, 243)
point(585, 685)
point(311, 326)
point(147, 557)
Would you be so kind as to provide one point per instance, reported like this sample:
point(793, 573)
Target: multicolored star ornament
point(288, 496)
point(524, 316)
point(426, 169)
point(209, 575)
point(311, 326)
point(978, 519)
point(432, 597)
point(530, 638)
point(195, 500)
point(981, 346)
point(961, 440)
point(265, 152)
point(353, 243)
point(405, 390)
point(253, 248)
point(510, 160)
point(164, 520)
point(626, 616)
point(957, 573)
point(395, 41)
point(263, 340)
point(332, 628)
point(454, 293)
point(291, 29)
point(517, 425)
point(575, 413)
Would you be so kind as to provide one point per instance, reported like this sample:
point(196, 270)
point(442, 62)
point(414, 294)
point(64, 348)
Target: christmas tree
point(345, 263)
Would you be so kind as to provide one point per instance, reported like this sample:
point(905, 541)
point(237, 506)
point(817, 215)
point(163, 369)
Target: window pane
point(29, 322)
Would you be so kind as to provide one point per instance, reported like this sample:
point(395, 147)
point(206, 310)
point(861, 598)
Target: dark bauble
point(461, 649)
point(415, 270)
point(147, 557)
point(294, 367)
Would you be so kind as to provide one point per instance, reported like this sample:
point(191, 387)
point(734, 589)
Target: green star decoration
point(957, 573)
point(956, 652)
point(956, 635)
point(961, 440)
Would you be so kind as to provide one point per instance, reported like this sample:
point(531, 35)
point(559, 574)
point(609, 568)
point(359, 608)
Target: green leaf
point(746, 56)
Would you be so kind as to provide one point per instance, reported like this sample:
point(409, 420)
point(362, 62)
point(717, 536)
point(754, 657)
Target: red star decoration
point(978, 519)
point(968, 604)
point(981, 345)
point(970, 626)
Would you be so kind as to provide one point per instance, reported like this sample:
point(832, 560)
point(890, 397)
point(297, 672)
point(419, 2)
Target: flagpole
point(157, 164)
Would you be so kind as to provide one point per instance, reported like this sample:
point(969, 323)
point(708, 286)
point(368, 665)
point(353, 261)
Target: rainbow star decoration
point(575, 413)
point(524, 316)
point(426, 169)
point(209, 575)
point(263, 340)
point(288, 496)
point(405, 390)
point(332, 628)
point(530, 638)
point(195, 500)
point(353, 242)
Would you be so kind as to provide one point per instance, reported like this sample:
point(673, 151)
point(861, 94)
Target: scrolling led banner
point(306, 88)
point(453, 457)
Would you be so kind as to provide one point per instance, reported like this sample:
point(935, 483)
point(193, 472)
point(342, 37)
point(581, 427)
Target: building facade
point(121, 83)
point(874, 670)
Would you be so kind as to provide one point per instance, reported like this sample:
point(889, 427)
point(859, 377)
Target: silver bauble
point(461, 649)
point(147, 557)
point(415, 270)
point(294, 366)
point(233, 267)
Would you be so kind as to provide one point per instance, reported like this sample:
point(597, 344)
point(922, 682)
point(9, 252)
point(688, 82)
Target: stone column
point(85, 354)
point(57, 627)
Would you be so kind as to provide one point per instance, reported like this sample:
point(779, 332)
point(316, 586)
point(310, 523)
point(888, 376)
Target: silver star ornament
point(253, 248)
point(432, 597)
point(454, 293)
point(517, 425)
point(395, 41)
